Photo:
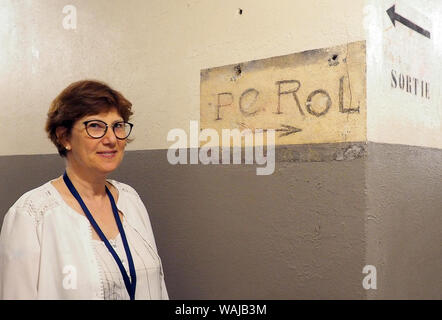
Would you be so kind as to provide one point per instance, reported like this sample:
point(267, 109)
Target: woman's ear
point(62, 137)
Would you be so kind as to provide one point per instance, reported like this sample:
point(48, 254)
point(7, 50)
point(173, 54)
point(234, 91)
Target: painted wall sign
point(410, 84)
point(316, 96)
point(406, 82)
point(397, 17)
point(403, 72)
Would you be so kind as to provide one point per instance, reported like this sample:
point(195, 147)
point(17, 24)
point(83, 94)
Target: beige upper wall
point(152, 51)
point(395, 115)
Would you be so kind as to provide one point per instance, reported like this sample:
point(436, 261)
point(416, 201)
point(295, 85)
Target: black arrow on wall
point(396, 17)
point(285, 129)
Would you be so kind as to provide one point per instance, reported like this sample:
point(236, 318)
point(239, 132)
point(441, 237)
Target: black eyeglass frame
point(107, 126)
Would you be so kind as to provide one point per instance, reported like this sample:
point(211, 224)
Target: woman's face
point(95, 156)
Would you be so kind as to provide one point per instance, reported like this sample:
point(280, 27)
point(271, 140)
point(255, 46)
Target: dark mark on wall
point(303, 58)
point(321, 152)
point(237, 72)
point(317, 152)
point(333, 61)
point(352, 152)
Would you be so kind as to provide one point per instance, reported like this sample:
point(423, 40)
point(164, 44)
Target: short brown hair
point(79, 99)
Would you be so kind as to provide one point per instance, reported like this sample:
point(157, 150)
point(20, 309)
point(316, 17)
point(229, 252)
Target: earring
point(67, 148)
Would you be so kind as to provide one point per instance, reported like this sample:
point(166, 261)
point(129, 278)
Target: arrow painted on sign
point(285, 129)
point(396, 17)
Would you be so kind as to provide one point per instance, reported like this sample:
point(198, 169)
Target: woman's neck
point(91, 186)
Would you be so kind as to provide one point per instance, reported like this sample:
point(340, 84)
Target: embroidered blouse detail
point(147, 266)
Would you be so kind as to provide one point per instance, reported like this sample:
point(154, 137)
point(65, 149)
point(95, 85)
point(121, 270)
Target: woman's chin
point(108, 168)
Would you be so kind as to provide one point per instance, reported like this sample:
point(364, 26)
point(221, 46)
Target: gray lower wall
point(226, 233)
point(304, 232)
point(404, 221)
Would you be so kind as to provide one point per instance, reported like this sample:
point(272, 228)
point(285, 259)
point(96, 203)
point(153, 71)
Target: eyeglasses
point(97, 129)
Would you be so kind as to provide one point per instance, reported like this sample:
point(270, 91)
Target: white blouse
point(147, 267)
point(47, 250)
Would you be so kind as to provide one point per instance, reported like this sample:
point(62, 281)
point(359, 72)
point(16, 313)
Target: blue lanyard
point(130, 285)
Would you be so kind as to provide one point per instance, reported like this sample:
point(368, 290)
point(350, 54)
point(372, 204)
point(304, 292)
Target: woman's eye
point(96, 125)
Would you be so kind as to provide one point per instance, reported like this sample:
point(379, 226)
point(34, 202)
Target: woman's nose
point(109, 137)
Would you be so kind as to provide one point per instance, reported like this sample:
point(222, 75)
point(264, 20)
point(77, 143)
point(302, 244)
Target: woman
point(82, 236)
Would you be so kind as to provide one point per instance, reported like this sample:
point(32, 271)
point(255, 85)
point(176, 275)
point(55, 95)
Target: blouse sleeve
point(19, 255)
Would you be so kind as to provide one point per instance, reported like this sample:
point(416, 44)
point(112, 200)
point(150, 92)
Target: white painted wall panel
point(395, 115)
point(152, 51)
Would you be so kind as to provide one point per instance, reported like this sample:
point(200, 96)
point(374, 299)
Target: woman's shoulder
point(127, 195)
point(136, 210)
point(123, 188)
point(37, 201)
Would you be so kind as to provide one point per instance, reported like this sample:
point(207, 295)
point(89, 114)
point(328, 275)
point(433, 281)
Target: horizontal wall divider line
point(316, 152)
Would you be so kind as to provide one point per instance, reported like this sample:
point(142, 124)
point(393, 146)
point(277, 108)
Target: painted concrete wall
point(403, 226)
point(403, 221)
point(396, 115)
point(152, 51)
point(304, 232)
point(225, 233)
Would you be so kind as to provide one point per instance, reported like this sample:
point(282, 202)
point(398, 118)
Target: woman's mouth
point(107, 154)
